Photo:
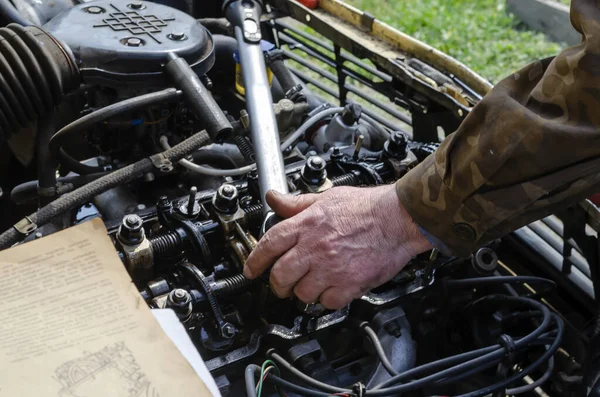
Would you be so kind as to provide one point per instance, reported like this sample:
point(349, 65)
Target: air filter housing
point(117, 42)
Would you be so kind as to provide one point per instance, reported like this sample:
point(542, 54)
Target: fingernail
point(247, 272)
point(276, 193)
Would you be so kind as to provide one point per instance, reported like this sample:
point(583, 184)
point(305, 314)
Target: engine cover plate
point(128, 41)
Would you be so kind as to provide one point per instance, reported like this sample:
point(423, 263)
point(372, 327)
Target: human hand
point(335, 246)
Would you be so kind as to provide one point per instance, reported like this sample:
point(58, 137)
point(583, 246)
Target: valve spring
point(423, 150)
point(245, 147)
point(165, 243)
point(231, 285)
point(254, 212)
point(345, 180)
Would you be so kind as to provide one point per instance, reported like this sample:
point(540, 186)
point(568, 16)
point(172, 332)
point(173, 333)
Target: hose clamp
point(161, 162)
point(25, 226)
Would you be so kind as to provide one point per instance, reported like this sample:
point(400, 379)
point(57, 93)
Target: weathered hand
point(335, 246)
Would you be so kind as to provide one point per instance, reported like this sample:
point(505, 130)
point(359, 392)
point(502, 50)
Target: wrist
point(398, 223)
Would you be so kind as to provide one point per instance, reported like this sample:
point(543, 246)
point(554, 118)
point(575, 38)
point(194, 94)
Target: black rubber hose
point(84, 123)
point(283, 74)
point(225, 47)
point(35, 72)
point(372, 336)
point(226, 155)
point(86, 193)
point(198, 97)
point(28, 191)
point(11, 14)
point(45, 163)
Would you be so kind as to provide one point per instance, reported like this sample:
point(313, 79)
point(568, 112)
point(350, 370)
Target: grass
point(478, 33)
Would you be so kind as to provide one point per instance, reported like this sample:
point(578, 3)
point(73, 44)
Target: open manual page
point(72, 324)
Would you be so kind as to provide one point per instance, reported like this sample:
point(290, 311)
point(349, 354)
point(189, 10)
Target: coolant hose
point(281, 71)
point(45, 163)
point(199, 97)
point(82, 124)
point(87, 192)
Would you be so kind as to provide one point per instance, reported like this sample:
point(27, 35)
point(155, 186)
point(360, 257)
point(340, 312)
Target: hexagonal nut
point(228, 331)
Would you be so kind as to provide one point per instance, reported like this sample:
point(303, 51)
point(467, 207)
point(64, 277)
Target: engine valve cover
point(128, 41)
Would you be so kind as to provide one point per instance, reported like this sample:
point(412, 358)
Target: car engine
point(170, 120)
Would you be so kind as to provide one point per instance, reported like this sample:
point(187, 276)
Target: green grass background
point(478, 33)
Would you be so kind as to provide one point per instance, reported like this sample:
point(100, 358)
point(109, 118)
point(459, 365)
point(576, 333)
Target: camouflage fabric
point(529, 148)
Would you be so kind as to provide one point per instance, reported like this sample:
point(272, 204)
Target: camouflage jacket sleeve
point(529, 148)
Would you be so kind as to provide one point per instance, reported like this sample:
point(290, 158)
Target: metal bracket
point(161, 162)
point(25, 226)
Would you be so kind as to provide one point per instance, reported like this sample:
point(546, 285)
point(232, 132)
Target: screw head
point(164, 202)
point(398, 138)
point(316, 163)
point(397, 145)
point(180, 295)
point(228, 190)
point(136, 5)
point(94, 10)
point(133, 221)
point(228, 330)
point(177, 36)
point(313, 173)
point(131, 230)
point(134, 42)
point(226, 199)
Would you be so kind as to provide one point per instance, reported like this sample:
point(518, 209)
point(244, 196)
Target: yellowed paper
point(72, 324)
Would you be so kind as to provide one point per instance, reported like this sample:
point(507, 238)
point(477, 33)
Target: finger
point(276, 242)
point(310, 287)
point(287, 205)
point(287, 271)
point(336, 297)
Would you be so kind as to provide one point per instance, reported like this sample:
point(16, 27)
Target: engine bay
point(170, 120)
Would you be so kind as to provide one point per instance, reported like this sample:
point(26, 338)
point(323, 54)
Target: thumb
point(287, 205)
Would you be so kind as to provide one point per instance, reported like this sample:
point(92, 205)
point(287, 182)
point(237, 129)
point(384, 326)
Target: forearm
point(529, 148)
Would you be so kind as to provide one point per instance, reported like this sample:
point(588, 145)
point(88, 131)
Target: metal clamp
point(25, 226)
point(161, 162)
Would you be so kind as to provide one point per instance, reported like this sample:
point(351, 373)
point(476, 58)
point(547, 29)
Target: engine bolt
point(134, 42)
point(192, 200)
point(177, 36)
point(131, 231)
point(179, 295)
point(228, 190)
point(133, 221)
point(181, 302)
point(228, 330)
point(358, 146)
point(164, 203)
point(136, 5)
point(397, 145)
point(314, 173)
point(94, 10)
point(226, 199)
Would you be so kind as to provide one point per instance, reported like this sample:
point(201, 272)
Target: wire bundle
point(450, 370)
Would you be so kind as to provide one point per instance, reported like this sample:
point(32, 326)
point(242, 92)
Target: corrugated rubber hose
point(87, 192)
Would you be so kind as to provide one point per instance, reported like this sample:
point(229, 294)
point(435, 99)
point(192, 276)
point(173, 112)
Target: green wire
point(262, 375)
